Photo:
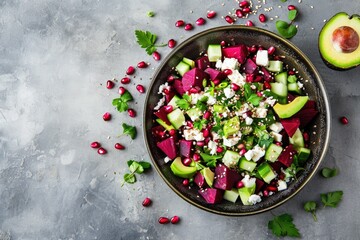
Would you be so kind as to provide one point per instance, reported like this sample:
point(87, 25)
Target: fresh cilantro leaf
point(130, 162)
point(331, 199)
point(183, 104)
point(265, 142)
point(121, 102)
point(150, 14)
point(285, 29)
point(329, 172)
point(186, 97)
point(145, 165)
point(136, 167)
point(147, 40)
point(129, 130)
point(254, 99)
point(201, 106)
point(247, 90)
point(210, 159)
point(311, 208)
point(199, 124)
point(129, 178)
point(292, 14)
point(283, 225)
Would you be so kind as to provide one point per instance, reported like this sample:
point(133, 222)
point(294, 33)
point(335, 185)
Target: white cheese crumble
point(271, 101)
point(281, 185)
point(276, 127)
point(260, 113)
point(300, 85)
point(254, 199)
point(244, 108)
point(248, 182)
point(277, 136)
point(229, 93)
point(248, 120)
point(215, 136)
point(249, 154)
point(258, 152)
point(262, 58)
point(230, 63)
point(193, 134)
point(212, 146)
point(195, 97)
point(229, 142)
point(160, 103)
point(237, 78)
point(162, 87)
point(167, 159)
point(218, 64)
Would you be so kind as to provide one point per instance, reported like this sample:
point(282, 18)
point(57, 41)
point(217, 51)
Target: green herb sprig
point(283, 225)
point(310, 207)
point(285, 29)
point(135, 167)
point(121, 103)
point(129, 130)
point(147, 40)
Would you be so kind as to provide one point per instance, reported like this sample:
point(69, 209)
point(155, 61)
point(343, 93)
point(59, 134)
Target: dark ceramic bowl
point(295, 59)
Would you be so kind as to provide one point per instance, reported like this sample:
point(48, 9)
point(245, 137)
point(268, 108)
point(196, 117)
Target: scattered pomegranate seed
point(207, 115)
point(196, 157)
point(246, 10)
point(142, 64)
point(241, 146)
point(140, 88)
point(211, 14)
point(193, 90)
point(200, 21)
point(242, 152)
point(266, 193)
point(344, 120)
point(243, 4)
point(206, 132)
point(271, 188)
point(156, 55)
point(306, 136)
point(239, 184)
point(185, 182)
point(253, 49)
point(249, 23)
point(179, 23)
point(119, 146)
point(189, 124)
point(172, 132)
point(291, 72)
point(186, 161)
point(291, 7)
point(227, 72)
point(278, 143)
point(168, 108)
point(95, 145)
point(262, 18)
point(200, 143)
point(110, 84)
point(219, 149)
point(239, 13)
point(223, 43)
point(131, 112)
point(229, 19)
point(101, 151)
point(171, 78)
point(267, 85)
point(107, 116)
point(188, 27)
point(166, 91)
point(125, 80)
point(171, 43)
point(174, 219)
point(147, 202)
point(235, 87)
point(122, 90)
point(260, 47)
point(164, 220)
point(130, 70)
point(271, 50)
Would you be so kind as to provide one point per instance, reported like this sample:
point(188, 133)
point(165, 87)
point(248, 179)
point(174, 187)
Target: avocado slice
point(231, 126)
point(339, 41)
point(290, 109)
point(180, 170)
point(208, 175)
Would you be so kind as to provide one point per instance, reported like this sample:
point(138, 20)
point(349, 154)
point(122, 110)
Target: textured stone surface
point(55, 59)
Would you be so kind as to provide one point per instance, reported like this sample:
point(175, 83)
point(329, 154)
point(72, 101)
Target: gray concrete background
point(56, 57)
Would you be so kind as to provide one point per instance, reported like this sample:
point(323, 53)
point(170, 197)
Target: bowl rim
point(322, 91)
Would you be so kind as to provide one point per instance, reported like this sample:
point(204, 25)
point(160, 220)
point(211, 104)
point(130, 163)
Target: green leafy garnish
point(311, 208)
point(210, 159)
point(331, 199)
point(283, 225)
point(186, 97)
point(129, 130)
point(292, 14)
point(283, 0)
point(329, 172)
point(135, 167)
point(150, 14)
point(285, 29)
point(121, 103)
point(129, 178)
point(147, 40)
point(183, 104)
point(254, 99)
point(201, 106)
point(199, 124)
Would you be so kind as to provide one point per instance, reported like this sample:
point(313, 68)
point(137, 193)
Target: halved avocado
point(339, 41)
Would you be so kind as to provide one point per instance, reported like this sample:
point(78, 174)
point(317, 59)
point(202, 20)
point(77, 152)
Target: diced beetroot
point(168, 146)
point(267, 75)
point(276, 166)
point(311, 104)
point(290, 125)
point(185, 148)
point(178, 86)
point(193, 78)
point(212, 195)
point(199, 180)
point(287, 156)
point(250, 66)
point(239, 52)
point(225, 178)
point(306, 116)
point(259, 184)
point(215, 74)
point(169, 96)
point(202, 63)
point(162, 114)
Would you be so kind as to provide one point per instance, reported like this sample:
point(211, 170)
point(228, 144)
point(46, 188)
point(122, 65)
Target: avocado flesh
point(332, 57)
point(288, 110)
point(180, 170)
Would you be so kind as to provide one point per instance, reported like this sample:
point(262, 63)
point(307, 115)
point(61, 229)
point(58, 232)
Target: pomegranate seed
point(142, 64)
point(227, 72)
point(156, 55)
point(267, 85)
point(168, 108)
point(239, 13)
point(107, 116)
point(243, 4)
point(277, 58)
point(278, 143)
point(258, 78)
point(119, 146)
point(200, 21)
point(239, 184)
point(166, 91)
point(206, 133)
point(271, 188)
point(125, 80)
point(179, 23)
point(249, 77)
point(174, 219)
point(188, 27)
point(171, 78)
point(246, 10)
point(101, 151)
point(235, 87)
point(200, 143)
point(147, 201)
point(271, 50)
point(110, 84)
point(344, 120)
point(216, 82)
point(196, 157)
point(266, 193)
point(211, 14)
point(130, 70)
point(140, 88)
point(164, 220)
point(242, 152)
point(193, 90)
point(95, 145)
point(189, 124)
point(186, 161)
point(171, 43)
point(185, 182)
point(131, 112)
point(219, 149)
point(253, 49)
point(172, 132)
point(291, 72)
point(259, 94)
point(207, 115)
point(262, 18)
point(122, 90)
point(306, 136)
point(229, 19)
point(249, 23)
point(291, 7)
point(223, 43)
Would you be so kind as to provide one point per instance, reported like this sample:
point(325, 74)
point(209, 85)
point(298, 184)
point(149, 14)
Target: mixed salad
point(233, 123)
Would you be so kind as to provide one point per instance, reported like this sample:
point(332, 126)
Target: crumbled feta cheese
point(211, 99)
point(276, 127)
point(281, 185)
point(218, 64)
point(248, 182)
point(193, 134)
point(248, 155)
point(249, 120)
point(160, 103)
point(244, 108)
point(271, 101)
point(212, 146)
point(300, 85)
point(195, 97)
point(230, 63)
point(215, 136)
point(229, 93)
point(277, 136)
point(162, 87)
point(258, 152)
point(229, 142)
point(167, 159)
point(224, 114)
point(254, 199)
point(237, 78)
point(260, 113)
point(262, 58)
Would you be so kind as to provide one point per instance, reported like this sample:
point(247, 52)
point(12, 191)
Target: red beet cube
point(212, 195)
point(168, 146)
point(239, 52)
point(225, 178)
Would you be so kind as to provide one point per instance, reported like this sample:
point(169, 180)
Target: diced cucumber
point(182, 68)
point(279, 89)
point(275, 66)
point(214, 52)
point(245, 193)
point(266, 172)
point(219, 108)
point(177, 118)
point(173, 102)
point(194, 113)
point(293, 87)
point(297, 139)
point(231, 195)
point(231, 126)
point(282, 77)
point(247, 165)
point(189, 62)
point(273, 152)
point(303, 154)
point(231, 158)
point(292, 79)
point(162, 123)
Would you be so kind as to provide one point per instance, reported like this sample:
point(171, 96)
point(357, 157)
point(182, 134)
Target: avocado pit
point(345, 39)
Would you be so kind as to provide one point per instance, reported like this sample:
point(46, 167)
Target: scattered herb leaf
point(310, 207)
point(283, 225)
point(200, 124)
point(292, 14)
point(147, 40)
point(129, 130)
point(329, 172)
point(210, 159)
point(331, 199)
point(135, 167)
point(150, 14)
point(254, 99)
point(129, 178)
point(121, 103)
point(285, 29)
point(183, 104)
